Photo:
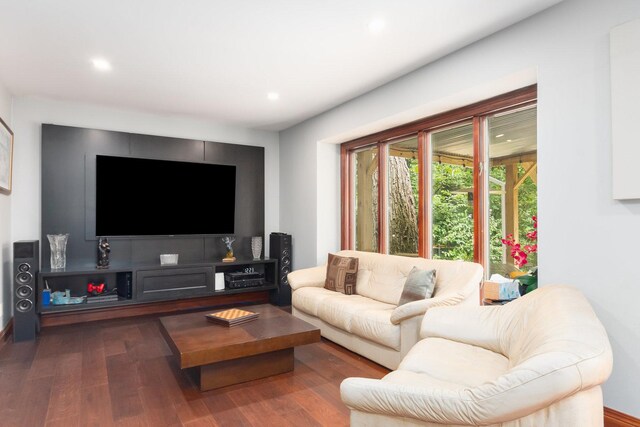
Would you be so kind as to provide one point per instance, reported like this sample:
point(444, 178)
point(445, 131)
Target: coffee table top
point(197, 341)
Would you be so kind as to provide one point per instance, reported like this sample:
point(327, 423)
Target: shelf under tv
point(166, 294)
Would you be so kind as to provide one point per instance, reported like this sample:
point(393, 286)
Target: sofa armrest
point(474, 325)
point(314, 276)
point(416, 308)
point(516, 394)
point(401, 400)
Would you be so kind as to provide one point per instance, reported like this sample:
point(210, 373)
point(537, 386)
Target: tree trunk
point(403, 212)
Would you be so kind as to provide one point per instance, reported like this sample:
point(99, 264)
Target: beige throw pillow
point(342, 274)
point(419, 285)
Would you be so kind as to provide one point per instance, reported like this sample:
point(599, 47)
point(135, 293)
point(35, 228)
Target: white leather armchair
point(537, 361)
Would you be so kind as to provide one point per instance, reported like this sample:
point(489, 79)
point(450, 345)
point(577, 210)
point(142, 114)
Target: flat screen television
point(146, 197)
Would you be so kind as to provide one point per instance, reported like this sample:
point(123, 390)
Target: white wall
point(586, 238)
point(30, 113)
point(5, 226)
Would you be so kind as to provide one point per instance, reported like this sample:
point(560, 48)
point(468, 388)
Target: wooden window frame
point(424, 194)
point(476, 114)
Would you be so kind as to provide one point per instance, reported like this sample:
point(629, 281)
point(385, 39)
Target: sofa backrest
point(384, 275)
point(557, 321)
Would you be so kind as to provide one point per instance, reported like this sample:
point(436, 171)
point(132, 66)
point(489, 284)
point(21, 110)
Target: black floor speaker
point(26, 264)
point(280, 249)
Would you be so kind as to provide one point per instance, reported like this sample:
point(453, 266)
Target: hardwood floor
point(121, 373)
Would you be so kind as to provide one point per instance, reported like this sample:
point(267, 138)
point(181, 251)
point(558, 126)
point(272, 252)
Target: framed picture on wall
point(6, 156)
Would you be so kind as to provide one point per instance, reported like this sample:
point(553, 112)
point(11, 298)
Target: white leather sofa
point(537, 361)
point(371, 323)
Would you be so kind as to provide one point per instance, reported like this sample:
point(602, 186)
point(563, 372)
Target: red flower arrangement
point(519, 252)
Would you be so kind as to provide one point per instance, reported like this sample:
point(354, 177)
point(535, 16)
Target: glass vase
point(256, 247)
point(58, 244)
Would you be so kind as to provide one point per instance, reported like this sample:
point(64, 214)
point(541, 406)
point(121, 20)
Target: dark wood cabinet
point(169, 283)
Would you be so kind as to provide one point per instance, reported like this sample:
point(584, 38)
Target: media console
point(73, 156)
point(176, 287)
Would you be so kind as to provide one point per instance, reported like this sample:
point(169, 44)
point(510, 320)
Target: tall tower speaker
point(26, 264)
point(280, 249)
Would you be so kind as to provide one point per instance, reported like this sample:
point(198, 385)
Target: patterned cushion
point(419, 285)
point(342, 273)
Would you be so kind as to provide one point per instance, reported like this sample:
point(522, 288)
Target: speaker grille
point(24, 305)
point(26, 263)
point(280, 249)
point(283, 275)
point(24, 277)
point(24, 291)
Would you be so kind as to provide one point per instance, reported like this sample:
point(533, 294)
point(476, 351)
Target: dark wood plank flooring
point(122, 373)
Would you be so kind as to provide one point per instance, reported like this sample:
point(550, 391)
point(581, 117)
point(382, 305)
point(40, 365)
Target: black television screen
point(145, 197)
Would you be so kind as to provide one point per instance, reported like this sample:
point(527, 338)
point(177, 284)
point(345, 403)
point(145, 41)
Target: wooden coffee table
point(223, 355)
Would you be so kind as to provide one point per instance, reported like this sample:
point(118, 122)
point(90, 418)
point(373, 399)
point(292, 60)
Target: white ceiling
point(218, 59)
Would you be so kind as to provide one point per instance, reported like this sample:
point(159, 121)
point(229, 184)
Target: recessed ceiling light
point(500, 136)
point(101, 64)
point(376, 26)
point(273, 96)
point(508, 140)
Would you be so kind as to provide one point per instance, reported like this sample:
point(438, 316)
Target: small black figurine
point(103, 253)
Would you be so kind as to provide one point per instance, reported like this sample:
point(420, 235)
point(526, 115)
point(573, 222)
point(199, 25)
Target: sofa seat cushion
point(375, 325)
point(308, 299)
point(343, 311)
point(450, 364)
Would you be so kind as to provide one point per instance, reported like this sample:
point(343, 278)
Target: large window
point(513, 190)
point(402, 191)
point(446, 187)
point(452, 193)
point(365, 178)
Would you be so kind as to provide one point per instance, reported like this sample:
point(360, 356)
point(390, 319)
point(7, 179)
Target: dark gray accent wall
point(69, 199)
